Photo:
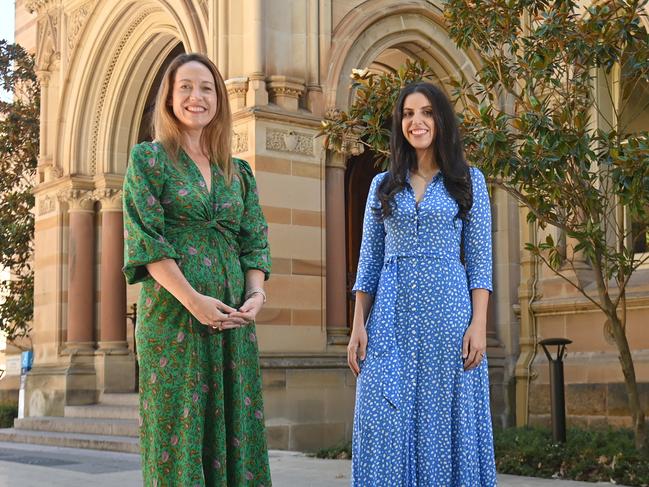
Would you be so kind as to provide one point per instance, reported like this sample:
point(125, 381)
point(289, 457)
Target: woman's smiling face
point(194, 96)
point(417, 121)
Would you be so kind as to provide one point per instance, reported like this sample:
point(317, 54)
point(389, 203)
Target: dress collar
point(438, 175)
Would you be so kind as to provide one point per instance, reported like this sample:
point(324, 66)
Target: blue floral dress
point(420, 418)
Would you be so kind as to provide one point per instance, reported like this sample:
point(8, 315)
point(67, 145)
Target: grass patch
point(591, 456)
point(8, 411)
point(340, 452)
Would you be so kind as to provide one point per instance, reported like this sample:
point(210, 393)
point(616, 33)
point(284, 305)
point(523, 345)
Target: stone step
point(130, 399)
point(101, 411)
point(89, 426)
point(124, 444)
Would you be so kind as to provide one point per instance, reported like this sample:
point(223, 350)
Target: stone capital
point(237, 92)
point(110, 199)
point(43, 77)
point(286, 91)
point(336, 160)
point(78, 199)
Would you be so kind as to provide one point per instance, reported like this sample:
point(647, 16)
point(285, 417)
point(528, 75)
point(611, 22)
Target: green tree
point(532, 121)
point(19, 135)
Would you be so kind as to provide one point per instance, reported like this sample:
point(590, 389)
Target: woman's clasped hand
point(214, 313)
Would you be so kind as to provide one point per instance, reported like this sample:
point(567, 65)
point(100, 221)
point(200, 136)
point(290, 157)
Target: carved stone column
point(314, 97)
point(44, 162)
point(81, 289)
point(257, 93)
point(115, 362)
point(337, 330)
point(50, 32)
point(112, 317)
point(80, 375)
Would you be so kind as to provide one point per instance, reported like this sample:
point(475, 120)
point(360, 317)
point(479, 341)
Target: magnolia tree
point(535, 121)
point(19, 125)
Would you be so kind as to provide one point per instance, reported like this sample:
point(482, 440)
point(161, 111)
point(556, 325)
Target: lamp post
point(557, 394)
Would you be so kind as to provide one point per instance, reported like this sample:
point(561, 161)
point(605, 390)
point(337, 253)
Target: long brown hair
point(447, 145)
point(216, 138)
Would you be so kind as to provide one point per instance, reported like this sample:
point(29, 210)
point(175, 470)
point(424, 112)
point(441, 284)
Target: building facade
point(286, 62)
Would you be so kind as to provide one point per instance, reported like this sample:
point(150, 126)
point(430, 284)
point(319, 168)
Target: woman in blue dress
point(418, 342)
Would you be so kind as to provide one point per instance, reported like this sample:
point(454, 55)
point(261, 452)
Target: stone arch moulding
point(118, 123)
point(369, 29)
point(106, 52)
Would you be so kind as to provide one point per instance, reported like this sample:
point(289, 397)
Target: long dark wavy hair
point(447, 151)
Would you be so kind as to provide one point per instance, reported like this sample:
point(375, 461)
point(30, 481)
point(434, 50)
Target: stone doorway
point(358, 177)
point(145, 131)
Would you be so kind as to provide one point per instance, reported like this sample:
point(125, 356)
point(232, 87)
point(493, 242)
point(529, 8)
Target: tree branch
point(576, 285)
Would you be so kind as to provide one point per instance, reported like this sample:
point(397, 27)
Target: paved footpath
point(42, 466)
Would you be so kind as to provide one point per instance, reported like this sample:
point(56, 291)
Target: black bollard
point(557, 395)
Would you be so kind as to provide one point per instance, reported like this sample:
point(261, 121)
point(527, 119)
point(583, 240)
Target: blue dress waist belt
point(383, 339)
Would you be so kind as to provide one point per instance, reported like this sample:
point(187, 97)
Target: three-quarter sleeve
point(477, 236)
point(144, 219)
point(253, 233)
point(370, 261)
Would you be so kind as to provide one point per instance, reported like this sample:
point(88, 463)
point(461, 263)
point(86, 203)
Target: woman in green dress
point(196, 238)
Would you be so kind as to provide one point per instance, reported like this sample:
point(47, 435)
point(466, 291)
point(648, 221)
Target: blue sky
point(7, 19)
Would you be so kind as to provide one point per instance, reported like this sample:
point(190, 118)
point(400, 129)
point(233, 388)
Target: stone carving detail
point(46, 204)
point(287, 91)
point(237, 86)
point(78, 199)
point(76, 23)
point(94, 135)
point(239, 142)
point(110, 198)
point(48, 49)
point(276, 140)
point(40, 6)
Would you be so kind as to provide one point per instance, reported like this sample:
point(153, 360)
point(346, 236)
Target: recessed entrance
point(145, 132)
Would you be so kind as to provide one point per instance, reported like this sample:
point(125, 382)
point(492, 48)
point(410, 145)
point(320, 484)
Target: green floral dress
point(201, 408)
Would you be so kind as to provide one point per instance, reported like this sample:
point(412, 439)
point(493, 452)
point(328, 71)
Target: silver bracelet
point(256, 290)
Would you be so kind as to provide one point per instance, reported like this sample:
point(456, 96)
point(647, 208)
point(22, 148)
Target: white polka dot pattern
point(420, 419)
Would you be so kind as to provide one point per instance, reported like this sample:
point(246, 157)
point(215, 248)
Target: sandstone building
point(286, 62)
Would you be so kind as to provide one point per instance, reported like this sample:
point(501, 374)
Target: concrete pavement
point(24, 465)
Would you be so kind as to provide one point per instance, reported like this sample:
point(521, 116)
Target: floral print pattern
point(200, 389)
point(420, 418)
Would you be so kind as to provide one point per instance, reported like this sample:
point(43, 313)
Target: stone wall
point(588, 405)
point(308, 408)
point(595, 390)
